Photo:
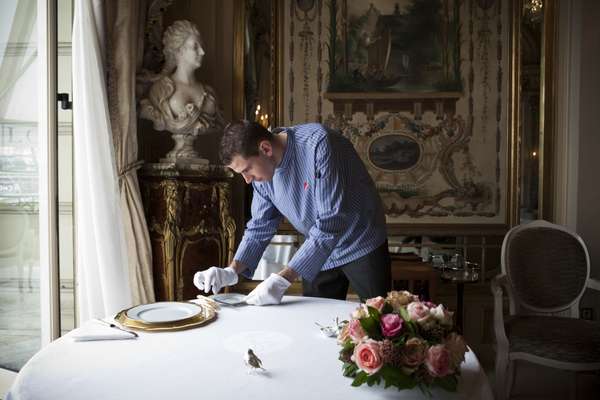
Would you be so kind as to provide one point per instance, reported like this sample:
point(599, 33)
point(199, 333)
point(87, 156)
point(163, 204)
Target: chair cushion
point(557, 338)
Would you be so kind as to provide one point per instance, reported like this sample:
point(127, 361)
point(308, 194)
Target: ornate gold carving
point(168, 231)
point(193, 212)
point(227, 221)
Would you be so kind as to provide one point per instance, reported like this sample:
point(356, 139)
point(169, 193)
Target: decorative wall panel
point(420, 88)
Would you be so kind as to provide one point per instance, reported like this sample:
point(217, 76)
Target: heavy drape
point(114, 267)
point(125, 43)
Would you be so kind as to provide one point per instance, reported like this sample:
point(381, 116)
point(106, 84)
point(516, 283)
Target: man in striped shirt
point(315, 179)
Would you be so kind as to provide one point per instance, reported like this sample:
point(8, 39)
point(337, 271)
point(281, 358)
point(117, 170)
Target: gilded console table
point(190, 223)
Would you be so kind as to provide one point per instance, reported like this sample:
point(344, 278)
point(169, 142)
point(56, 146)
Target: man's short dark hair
point(242, 138)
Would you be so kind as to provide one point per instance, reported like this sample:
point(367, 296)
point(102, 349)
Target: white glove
point(215, 278)
point(270, 291)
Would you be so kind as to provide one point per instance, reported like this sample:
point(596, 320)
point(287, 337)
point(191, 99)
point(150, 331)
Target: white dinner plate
point(164, 311)
point(232, 299)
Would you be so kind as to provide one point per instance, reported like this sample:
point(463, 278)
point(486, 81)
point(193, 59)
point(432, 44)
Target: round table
point(208, 361)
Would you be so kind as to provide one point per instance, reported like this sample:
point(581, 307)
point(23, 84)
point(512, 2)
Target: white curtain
point(102, 268)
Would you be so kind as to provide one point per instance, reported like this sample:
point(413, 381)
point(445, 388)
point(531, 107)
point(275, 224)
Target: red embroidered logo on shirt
point(305, 185)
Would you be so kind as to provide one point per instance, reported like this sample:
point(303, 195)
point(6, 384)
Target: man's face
point(255, 168)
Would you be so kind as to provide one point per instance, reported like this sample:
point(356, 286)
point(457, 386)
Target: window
point(24, 186)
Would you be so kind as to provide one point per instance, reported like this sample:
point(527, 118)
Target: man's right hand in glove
point(215, 279)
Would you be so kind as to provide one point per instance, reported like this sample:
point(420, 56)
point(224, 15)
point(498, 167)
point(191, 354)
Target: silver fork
point(239, 303)
point(110, 324)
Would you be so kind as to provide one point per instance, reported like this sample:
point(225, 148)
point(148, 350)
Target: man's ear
point(266, 148)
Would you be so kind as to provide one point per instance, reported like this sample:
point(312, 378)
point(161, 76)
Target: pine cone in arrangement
point(435, 334)
point(390, 354)
point(345, 355)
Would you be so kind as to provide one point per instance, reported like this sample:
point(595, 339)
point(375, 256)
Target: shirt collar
point(287, 153)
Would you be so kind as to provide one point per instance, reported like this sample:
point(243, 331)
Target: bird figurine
point(252, 361)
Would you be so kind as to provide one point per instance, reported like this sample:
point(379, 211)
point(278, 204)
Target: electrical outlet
point(587, 313)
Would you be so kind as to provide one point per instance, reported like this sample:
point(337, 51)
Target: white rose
point(427, 322)
point(443, 316)
point(360, 312)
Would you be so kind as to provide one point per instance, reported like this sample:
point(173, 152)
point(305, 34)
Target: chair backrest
point(547, 266)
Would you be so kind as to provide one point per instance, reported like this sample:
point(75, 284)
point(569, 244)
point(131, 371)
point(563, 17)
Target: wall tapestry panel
point(420, 87)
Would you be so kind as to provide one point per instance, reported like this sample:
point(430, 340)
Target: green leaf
point(425, 389)
point(348, 346)
point(371, 327)
point(449, 383)
point(361, 378)
point(399, 341)
point(414, 329)
point(373, 312)
point(349, 370)
point(404, 314)
point(394, 376)
point(373, 379)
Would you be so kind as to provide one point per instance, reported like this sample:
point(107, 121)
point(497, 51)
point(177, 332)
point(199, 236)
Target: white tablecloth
point(207, 362)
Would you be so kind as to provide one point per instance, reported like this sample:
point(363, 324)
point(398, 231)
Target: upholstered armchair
point(545, 271)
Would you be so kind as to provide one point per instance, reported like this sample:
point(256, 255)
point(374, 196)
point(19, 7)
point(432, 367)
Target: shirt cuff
point(249, 253)
point(307, 262)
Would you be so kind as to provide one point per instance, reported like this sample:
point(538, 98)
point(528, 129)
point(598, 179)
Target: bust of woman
point(177, 102)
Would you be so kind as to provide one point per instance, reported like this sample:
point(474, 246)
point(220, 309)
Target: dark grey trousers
point(369, 276)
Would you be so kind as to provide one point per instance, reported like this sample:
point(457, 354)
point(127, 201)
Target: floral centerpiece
point(403, 342)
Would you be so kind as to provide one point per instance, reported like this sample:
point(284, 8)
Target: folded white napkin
point(97, 331)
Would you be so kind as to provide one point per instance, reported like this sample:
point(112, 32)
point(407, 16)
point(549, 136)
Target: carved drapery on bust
point(177, 102)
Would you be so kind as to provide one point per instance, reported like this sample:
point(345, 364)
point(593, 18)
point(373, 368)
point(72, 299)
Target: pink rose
point(414, 352)
point(456, 348)
point(367, 355)
point(438, 360)
point(376, 302)
point(356, 331)
point(417, 310)
point(391, 324)
point(344, 334)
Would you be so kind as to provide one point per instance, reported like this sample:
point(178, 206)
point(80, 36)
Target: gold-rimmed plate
point(166, 316)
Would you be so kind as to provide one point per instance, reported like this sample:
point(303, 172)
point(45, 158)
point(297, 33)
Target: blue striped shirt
point(324, 190)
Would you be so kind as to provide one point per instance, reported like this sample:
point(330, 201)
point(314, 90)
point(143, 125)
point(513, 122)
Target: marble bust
point(177, 102)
